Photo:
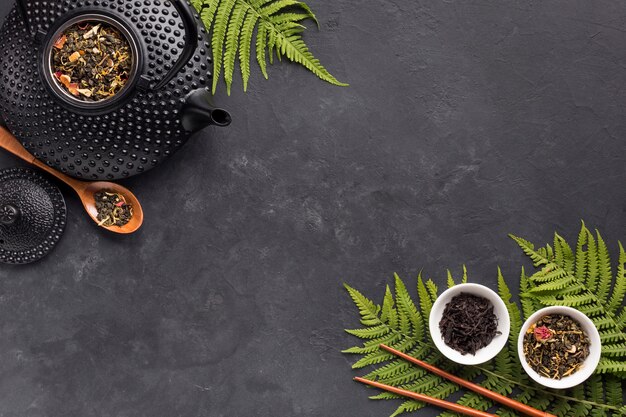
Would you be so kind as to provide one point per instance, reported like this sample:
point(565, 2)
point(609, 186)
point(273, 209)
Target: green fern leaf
point(232, 42)
point(292, 46)
point(450, 280)
point(581, 255)
point(432, 290)
point(220, 25)
point(563, 254)
point(570, 301)
point(270, 8)
point(232, 24)
point(372, 345)
point(261, 46)
point(247, 31)
point(529, 250)
point(592, 262)
point(410, 375)
point(426, 303)
point(397, 366)
point(366, 307)
point(605, 275)
point(387, 306)
point(618, 349)
point(370, 332)
point(550, 272)
point(611, 366)
point(613, 391)
point(619, 290)
point(595, 391)
point(208, 10)
point(372, 359)
point(407, 309)
point(555, 285)
point(528, 303)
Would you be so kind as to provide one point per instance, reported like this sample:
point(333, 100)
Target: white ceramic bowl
point(590, 363)
point(499, 309)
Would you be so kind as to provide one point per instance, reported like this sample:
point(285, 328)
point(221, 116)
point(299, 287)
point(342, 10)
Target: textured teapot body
point(128, 135)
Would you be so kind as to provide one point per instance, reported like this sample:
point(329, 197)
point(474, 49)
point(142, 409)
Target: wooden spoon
point(85, 190)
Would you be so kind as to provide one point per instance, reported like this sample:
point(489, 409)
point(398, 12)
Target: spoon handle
point(11, 144)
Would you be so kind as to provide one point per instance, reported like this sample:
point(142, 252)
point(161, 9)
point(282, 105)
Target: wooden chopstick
point(509, 402)
point(425, 398)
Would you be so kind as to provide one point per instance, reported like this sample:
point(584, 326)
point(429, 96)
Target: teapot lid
point(32, 216)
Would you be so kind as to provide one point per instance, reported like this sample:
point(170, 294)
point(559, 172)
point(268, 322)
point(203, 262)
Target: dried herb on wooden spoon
point(113, 210)
point(468, 323)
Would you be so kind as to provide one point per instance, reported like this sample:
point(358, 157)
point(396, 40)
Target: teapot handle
point(191, 34)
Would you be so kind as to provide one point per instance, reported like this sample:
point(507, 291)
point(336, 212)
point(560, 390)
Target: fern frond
point(220, 24)
point(581, 255)
point(407, 309)
point(605, 275)
point(554, 285)
point(549, 273)
point(247, 31)
point(572, 300)
point(386, 310)
point(372, 345)
point(207, 13)
point(232, 43)
point(611, 366)
point(432, 290)
point(617, 349)
point(450, 280)
point(426, 303)
point(528, 303)
point(232, 24)
point(367, 308)
point(529, 250)
point(563, 254)
point(261, 45)
point(619, 289)
point(592, 263)
point(613, 391)
point(369, 332)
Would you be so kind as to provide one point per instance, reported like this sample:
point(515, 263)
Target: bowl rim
point(489, 351)
point(590, 363)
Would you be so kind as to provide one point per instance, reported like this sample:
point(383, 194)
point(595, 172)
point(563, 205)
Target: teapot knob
point(9, 214)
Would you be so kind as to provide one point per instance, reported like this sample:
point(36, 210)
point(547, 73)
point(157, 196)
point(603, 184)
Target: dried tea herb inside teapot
point(113, 210)
point(556, 346)
point(92, 61)
point(468, 323)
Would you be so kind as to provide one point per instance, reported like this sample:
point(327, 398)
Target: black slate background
point(464, 121)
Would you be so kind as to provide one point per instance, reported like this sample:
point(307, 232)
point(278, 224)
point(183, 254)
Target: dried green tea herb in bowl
point(92, 61)
point(113, 210)
point(556, 346)
point(559, 347)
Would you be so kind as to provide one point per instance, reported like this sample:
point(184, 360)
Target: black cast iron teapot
point(164, 101)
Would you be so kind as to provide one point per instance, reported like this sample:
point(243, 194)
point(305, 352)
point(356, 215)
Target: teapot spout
point(198, 112)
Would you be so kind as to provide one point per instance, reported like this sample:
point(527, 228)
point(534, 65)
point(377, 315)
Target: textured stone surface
point(464, 121)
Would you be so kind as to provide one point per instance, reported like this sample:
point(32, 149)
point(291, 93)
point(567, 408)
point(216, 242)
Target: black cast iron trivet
point(32, 216)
